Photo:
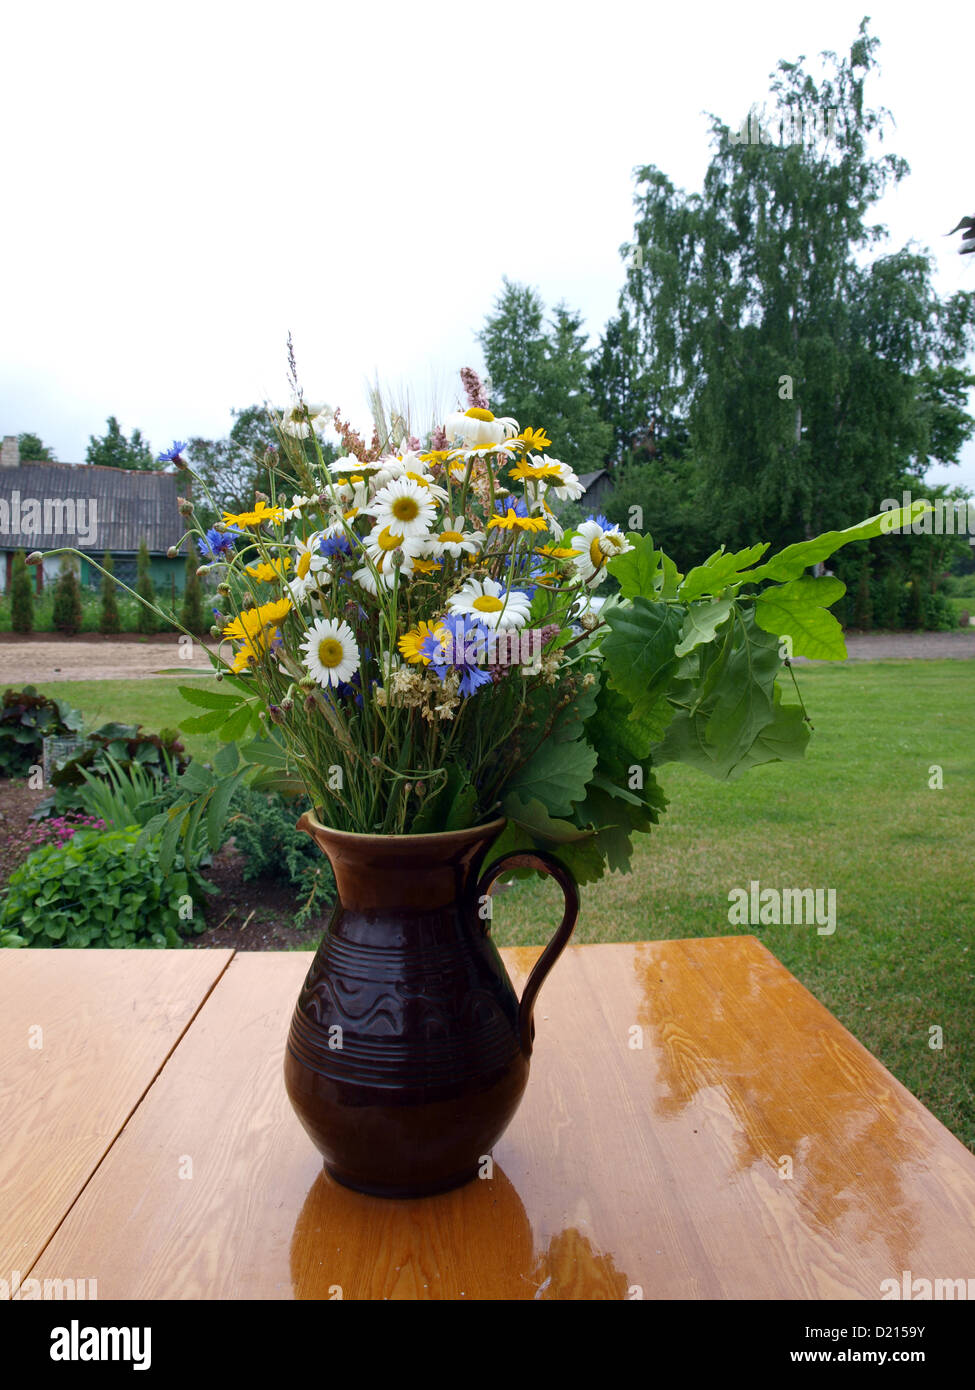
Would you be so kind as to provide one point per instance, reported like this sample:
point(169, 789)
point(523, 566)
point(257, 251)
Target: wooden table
point(696, 1126)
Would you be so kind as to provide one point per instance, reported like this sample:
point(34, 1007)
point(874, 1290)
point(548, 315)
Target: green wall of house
point(162, 571)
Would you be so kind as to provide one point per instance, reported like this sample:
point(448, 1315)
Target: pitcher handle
point(546, 864)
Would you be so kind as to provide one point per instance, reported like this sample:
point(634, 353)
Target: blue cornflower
point(602, 521)
point(465, 640)
point(217, 543)
point(334, 545)
point(171, 455)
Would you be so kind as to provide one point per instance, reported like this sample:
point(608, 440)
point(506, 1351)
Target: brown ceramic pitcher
point(409, 1050)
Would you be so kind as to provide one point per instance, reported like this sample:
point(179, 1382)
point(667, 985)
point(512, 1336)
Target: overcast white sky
point(185, 183)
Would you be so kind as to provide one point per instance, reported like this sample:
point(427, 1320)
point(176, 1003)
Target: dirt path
point(87, 657)
point(901, 646)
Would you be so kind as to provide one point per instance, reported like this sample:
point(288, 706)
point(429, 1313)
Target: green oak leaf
point(639, 651)
point(798, 610)
point(557, 774)
point(636, 570)
point(721, 570)
point(701, 624)
point(790, 562)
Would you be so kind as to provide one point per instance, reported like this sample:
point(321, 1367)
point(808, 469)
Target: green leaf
point(741, 692)
point(639, 651)
point(701, 624)
point(546, 831)
point(556, 774)
point(669, 578)
point(636, 570)
point(783, 740)
point(237, 724)
point(204, 723)
point(720, 571)
point(217, 812)
point(227, 760)
point(208, 699)
point(798, 610)
point(790, 562)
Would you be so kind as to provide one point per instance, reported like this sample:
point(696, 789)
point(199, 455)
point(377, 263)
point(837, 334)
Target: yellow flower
point(539, 470)
point(427, 566)
point(274, 570)
point(413, 640)
point(532, 439)
point(262, 512)
point(512, 520)
point(556, 552)
point(256, 629)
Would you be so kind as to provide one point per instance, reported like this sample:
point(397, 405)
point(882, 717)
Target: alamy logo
point(944, 516)
point(29, 1290)
point(76, 1343)
point(792, 126)
point(921, 1290)
point(50, 516)
point(756, 906)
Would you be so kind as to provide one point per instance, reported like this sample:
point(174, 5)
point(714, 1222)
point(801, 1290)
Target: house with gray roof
point(44, 506)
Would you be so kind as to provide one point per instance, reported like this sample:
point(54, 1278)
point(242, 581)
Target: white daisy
point(298, 504)
point(492, 603)
point(331, 655)
point(477, 426)
point(300, 418)
point(597, 545)
point(348, 463)
point(405, 507)
point(309, 564)
point(454, 540)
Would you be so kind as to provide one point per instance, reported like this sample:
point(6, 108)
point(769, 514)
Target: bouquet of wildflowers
point(413, 639)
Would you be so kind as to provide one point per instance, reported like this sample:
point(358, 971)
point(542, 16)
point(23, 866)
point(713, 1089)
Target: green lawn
point(858, 816)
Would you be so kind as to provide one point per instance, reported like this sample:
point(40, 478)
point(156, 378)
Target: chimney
point(10, 452)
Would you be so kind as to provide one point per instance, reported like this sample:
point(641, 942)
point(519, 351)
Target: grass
point(155, 704)
point(858, 815)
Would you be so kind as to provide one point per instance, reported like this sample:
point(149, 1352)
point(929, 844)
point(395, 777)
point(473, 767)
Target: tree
point(810, 378)
point(113, 450)
point(863, 603)
point(32, 450)
point(145, 619)
point(67, 599)
point(21, 595)
point(191, 614)
point(234, 468)
point(541, 377)
point(108, 621)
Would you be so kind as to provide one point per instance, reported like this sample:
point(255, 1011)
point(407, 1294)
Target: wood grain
point(82, 1035)
point(630, 1171)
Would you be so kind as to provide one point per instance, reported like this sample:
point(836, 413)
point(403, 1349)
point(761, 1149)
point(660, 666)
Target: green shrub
point(21, 595)
point(939, 613)
point(191, 614)
point(914, 617)
point(863, 604)
point(108, 621)
point(889, 600)
point(97, 890)
point(263, 827)
point(146, 620)
point(161, 756)
point(67, 601)
point(26, 719)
